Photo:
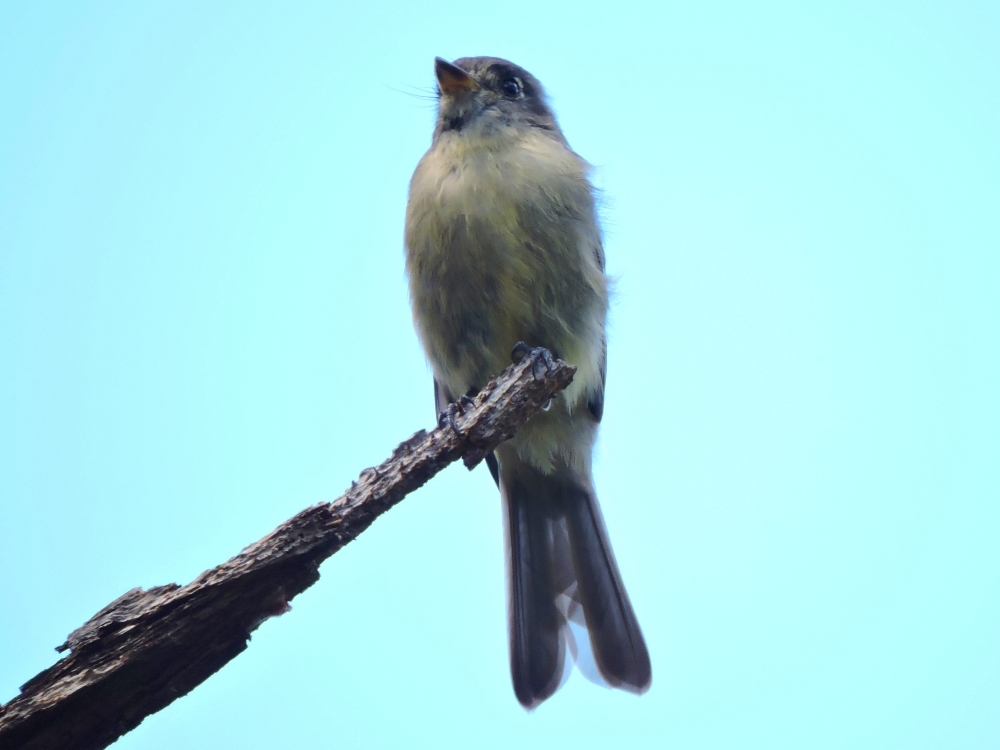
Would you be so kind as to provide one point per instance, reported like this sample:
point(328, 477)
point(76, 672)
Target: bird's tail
point(558, 549)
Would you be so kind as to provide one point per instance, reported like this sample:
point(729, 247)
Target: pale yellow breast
point(503, 245)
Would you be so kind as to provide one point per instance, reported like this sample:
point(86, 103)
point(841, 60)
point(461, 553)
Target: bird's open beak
point(453, 80)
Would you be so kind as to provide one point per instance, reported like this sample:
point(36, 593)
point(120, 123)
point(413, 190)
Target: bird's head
point(483, 95)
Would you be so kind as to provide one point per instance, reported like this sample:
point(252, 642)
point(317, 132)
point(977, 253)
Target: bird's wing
point(596, 402)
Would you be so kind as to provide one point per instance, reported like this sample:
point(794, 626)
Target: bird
point(503, 245)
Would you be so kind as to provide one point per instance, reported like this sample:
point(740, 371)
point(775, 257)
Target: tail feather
point(556, 538)
point(619, 648)
point(537, 641)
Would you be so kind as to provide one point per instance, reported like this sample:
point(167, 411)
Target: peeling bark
point(147, 648)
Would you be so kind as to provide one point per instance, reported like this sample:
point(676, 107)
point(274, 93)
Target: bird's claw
point(541, 358)
point(541, 363)
point(448, 417)
point(519, 352)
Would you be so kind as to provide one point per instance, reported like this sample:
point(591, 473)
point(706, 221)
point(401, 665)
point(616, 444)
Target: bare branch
point(148, 648)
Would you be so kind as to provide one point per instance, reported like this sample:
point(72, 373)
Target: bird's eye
point(511, 87)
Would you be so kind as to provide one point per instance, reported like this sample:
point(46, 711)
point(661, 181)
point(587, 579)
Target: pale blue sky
point(204, 328)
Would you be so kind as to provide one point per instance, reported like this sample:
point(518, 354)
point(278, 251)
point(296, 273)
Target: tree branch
point(148, 648)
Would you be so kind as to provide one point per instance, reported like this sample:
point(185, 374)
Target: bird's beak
point(453, 80)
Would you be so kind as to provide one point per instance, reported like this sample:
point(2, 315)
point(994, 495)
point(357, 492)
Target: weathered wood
point(148, 648)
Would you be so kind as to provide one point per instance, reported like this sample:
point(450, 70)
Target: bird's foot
point(448, 417)
point(541, 358)
point(519, 352)
point(541, 363)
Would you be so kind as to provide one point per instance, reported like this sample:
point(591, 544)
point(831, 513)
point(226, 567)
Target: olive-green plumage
point(503, 245)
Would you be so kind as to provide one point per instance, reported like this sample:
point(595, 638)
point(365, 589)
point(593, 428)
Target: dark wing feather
point(491, 464)
point(596, 403)
point(441, 398)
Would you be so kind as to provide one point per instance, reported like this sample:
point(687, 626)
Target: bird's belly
point(484, 289)
point(503, 246)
